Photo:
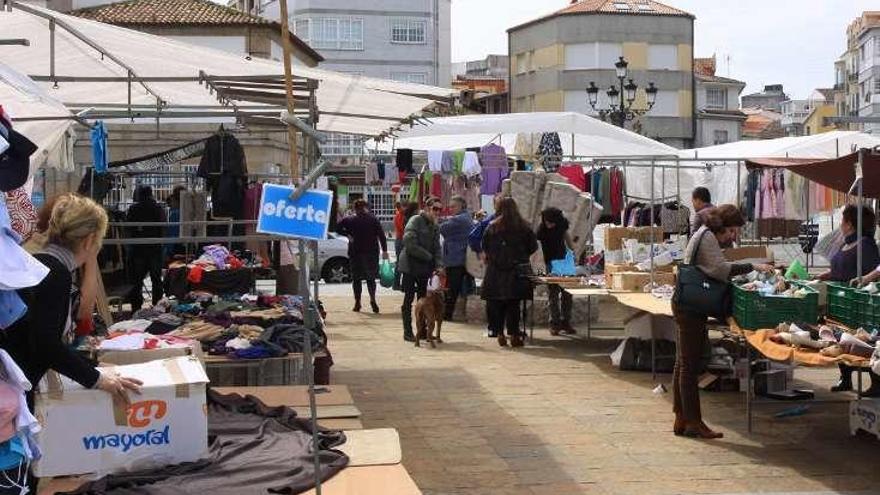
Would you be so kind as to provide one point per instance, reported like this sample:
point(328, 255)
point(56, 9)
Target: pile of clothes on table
point(216, 270)
point(246, 327)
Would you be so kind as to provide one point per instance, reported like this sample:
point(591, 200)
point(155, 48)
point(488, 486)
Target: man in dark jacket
point(365, 237)
point(455, 231)
point(422, 255)
point(145, 259)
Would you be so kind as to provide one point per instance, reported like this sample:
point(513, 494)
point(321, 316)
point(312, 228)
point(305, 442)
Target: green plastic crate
point(852, 307)
point(754, 311)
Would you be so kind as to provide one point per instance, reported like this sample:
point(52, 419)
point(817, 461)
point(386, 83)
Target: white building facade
point(868, 70)
point(401, 40)
point(719, 118)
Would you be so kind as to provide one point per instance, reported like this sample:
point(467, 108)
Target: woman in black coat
point(508, 244)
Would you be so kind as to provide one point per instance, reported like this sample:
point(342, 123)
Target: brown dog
point(429, 315)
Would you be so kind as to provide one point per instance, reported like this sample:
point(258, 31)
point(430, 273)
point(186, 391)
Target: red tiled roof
point(718, 79)
point(188, 12)
point(704, 66)
point(627, 7)
point(762, 124)
point(181, 13)
point(643, 7)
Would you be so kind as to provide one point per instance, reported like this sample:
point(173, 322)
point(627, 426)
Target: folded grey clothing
point(147, 314)
point(286, 338)
point(253, 449)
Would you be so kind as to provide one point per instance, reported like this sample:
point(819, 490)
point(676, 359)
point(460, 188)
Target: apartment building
point(402, 40)
point(554, 58)
point(719, 118)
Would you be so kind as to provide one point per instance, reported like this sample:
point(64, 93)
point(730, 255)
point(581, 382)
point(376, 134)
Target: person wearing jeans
point(455, 231)
point(422, 255)
point(555, 241)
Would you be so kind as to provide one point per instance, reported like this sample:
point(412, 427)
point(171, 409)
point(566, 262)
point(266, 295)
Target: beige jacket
point(710, 258)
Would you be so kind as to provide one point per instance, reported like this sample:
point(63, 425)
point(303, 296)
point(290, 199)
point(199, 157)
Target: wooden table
point(291, 364)
point(297, 398)
point(646, 302)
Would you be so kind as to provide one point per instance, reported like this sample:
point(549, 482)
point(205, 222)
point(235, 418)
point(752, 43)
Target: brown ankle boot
point(517, 341)
point(679, 426)
point(502, 340)
point(700, 430)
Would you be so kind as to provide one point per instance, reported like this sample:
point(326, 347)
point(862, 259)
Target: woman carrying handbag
point(703, 290)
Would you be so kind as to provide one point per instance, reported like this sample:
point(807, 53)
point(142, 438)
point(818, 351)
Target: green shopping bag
point(797, 271)
point(386, 274)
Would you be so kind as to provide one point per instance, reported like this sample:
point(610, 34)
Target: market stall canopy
point(826, 145)
point(591, 137)
point(721, 178)
point(22, 98)
point(838, 173)
point(91, 64)
point(581, 136)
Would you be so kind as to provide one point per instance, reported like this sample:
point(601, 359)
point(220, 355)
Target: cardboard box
point(761, 253)
point(614, 236)
point(612, 268)
point(636, 281)
point(121, 358)
point(86, 431)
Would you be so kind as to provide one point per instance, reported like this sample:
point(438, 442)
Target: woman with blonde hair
point(40, 340)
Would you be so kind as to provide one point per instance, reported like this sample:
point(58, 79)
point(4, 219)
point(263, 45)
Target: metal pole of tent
point(651, 255)
point(310, 322)
point(859, 226)
point(651, 223)
point(678, 188)
point(806, 200)
point(738, 180)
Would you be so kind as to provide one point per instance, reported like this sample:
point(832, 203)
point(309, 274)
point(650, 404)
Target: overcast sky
point(793, 42)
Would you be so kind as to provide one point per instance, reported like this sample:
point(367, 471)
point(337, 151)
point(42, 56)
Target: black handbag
point(695, 292)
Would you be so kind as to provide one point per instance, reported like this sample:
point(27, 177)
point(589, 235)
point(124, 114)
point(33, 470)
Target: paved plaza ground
point(556, 418)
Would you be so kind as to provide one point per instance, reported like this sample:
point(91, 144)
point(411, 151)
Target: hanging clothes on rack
point(404, 160)
point(493, 178)
point(391, 176)
point(22, 214)
point(224, 168)
point(435, 160)
point(371, 173)
point(774, 201)
point(550, 151)
point(574, 174)
point(471, 166)
point(493, 156)
point(675, 218)
point(526, 145)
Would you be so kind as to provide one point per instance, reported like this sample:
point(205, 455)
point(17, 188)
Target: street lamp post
point(621, 100)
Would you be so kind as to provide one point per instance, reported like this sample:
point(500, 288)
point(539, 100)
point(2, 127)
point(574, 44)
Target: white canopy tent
point(92, 63)
point(721, 178)
point(580, 134)
point(581, 137)
point(22, 99)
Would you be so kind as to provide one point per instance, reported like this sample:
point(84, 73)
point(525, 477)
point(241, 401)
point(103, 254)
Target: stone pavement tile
point(558, 417)
point(785, 484)
point(567, 489)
